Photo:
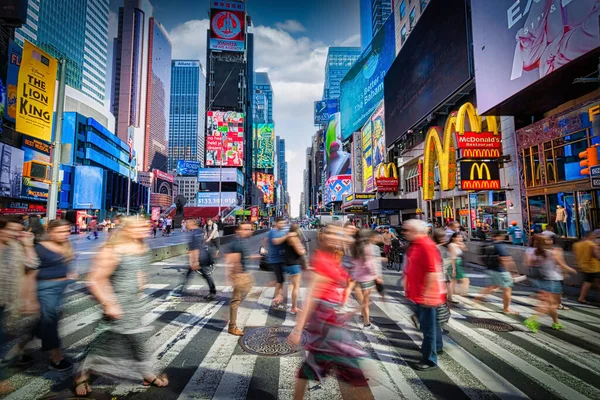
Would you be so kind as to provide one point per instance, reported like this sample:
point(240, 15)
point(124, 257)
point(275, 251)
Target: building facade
point(188, 188)
point(338, 63)
point(187, 112)
point(263, 99)
point(30, 29)
point(157, 105)
point(406, 15)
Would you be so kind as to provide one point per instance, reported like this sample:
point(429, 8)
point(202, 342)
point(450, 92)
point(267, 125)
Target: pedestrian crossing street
point(191, 344)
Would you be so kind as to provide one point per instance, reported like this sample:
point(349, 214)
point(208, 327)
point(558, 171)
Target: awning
point(382, 205)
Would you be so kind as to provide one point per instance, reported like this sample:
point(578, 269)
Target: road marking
point(236, 378)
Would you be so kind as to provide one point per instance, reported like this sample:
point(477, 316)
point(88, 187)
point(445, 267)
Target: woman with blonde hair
point(116, 280)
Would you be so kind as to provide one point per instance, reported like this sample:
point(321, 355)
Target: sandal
point(562, 307)
point(86, 386)
point(159, 381)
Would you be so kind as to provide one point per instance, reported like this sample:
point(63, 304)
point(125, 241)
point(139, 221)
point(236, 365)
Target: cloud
point(352, 41)
point(189, 40)
point(291, 25)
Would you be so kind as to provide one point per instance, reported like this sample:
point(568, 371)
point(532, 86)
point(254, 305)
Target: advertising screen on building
point(337, 161)
point(225, 138)
point(36, 169)
point(264, 145)
point(324, 109)
point(431, 66)
point(378, 124)
point(516, 43)
point(227, 25)
point(227, 79)
point(211, 199)
point(362, 87)
point(367, 159)
point(266, 183)
point(217, 174)
point(15, 53)
point(337, 188)
point(11, 171)
point(88, 187)
point(163, 182)
point(479, 175)
point(187, 168)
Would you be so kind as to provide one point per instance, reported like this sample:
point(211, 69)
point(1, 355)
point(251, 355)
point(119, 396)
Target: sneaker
point(519, 279)
point(25, 359)
point(210, 296)
point(369, 327)
point(558, 326)
point(532, 324)
point(62, 365)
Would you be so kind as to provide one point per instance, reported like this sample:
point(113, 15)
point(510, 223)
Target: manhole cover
point(270, 341)
point(490, 324)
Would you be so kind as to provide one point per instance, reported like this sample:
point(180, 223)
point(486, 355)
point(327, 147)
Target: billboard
point(479, 175)
point(324, 109)
point(516, 43)
point(88, 187)
point(378, 126)
point(431, 66)
point(217, 174)
point(212, 199)
point(266, 183)
point(227, 25)
point(227, 80)
point(225, 138)
point(36, 169)
point(15, 52)
point(11, 171)
point(264, 145)
point(35, 95)
point(337, 188)
point(367, 156)
point(187, 168)
point(163, 182)
point(362, 87)
point(337, 161)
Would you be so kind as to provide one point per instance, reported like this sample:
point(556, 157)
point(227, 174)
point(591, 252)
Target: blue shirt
point(276, 252)
point(516, 234)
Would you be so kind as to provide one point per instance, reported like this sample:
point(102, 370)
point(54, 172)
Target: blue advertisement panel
point(362, 87)
point(211, 199)
point(12, 74)
point(36, 169)
point(337, 188)
point(88, 187)
point(217, 174)
point(337, 161)
point(187, 168)
point(324, 109)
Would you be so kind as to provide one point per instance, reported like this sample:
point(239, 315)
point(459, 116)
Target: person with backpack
point(212, 235)
point(498, 262)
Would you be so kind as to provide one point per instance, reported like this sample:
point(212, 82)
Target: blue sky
point(291, 41)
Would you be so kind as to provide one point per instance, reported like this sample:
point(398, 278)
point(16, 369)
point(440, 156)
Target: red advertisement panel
point(225, 138)
point(481, 140)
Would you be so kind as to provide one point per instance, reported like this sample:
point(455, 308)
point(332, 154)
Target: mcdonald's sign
point(479, 175)
point(481, 153)
point(445, 154)
point(386, 178)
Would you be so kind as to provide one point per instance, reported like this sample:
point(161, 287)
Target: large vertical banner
point(227, 25)
point(35, 96)
point(225, 138)
point(88, 187)
point(337, 161)
point(367, 156)
point(378, 126)
point(264, 148)
point(266, 184)
point(15, 53)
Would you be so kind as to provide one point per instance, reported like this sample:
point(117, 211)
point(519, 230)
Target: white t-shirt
point(215, 229)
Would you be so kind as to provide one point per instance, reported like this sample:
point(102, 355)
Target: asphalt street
point(488, 355)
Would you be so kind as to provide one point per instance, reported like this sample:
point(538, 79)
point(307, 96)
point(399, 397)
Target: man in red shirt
point(422, 286)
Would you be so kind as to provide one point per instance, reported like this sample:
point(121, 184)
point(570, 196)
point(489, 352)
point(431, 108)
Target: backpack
point(488, 254)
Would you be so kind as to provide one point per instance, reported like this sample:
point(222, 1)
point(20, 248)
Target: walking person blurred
point(276, 258)
point(365, 272)
point(424, 288)
point(547, 264)
point(117, 280)
point(18, 264)
point(211, 234)
point(587, 252)
point(456, 248)
point(330, 347)
point(295, 259)
point(241, 280)
point(93, 229)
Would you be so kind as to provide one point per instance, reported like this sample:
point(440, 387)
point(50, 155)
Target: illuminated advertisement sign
point(11, 171)
point(36, 169)
point(266, 183)
point(15, 53)
point(264, 145)
point(324, 109)
point(88, 187)
point(379, 149)
point(158, 174)
point(187, 168)
point(367, 159)
point(227, 25)
point(212, 199)
point(225, 138)
point(386, 180)
point(362, 87)
point(479, 175)
point(516, 43)
point(218, 174)
point(337, 188)
point(337, 161)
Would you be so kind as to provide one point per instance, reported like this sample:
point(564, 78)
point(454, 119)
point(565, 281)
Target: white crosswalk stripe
point(227, 372)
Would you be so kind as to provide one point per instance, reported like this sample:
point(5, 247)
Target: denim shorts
point(292, 270)
point(554, 287)
point(501, 278)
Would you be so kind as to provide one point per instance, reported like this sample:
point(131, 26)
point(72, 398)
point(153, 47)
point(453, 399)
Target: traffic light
point(589, 159)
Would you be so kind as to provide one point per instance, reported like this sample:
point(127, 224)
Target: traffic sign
point(595, 183)
point(595, 171)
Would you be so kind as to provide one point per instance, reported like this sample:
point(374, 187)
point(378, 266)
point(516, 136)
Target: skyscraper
point(157, 106)
point(130, 74)
point(76, 31)
point(282, 163)
point(339, 61)
point(263, 99)
point(380, 11)
point(187, 117)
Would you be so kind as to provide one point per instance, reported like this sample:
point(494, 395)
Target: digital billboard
point(266, 183)
point(225, 138)
point(11, 171)
point(227, 25)
point(36, 169)
point(516, 43)
point(187, 168)
point(431, 66)
point(88, 187)
point(337, 161)
point(367, 156)
point(212, 199)
point(264, 145)
point(324, 109)
point(227, 79)
point(15, 53)
point(337, 188)
point(217, 174)
point(362, 87)
point(378, 126)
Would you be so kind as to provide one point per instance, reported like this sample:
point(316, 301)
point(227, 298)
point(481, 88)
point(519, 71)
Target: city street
point(486, 355)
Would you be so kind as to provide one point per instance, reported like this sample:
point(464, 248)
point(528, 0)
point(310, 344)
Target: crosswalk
point(190, 343)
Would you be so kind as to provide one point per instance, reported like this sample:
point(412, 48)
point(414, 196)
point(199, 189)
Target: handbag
point(443, 314)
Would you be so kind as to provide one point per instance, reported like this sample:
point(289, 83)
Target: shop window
point(535, 159)
point(538, 212)
point(584, 212)
point(527, 167)
point(564, 218)
point(412, 179)
point(566, 156)
point(549, 163)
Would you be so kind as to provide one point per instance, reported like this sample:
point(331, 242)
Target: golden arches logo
point(445, 154)
point(387, 171)
point(481, 153)
point(480, 168)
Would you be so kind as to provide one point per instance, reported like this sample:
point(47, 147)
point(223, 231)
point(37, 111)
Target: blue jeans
point(50, 295)
point(2, 376)
point(432, 333)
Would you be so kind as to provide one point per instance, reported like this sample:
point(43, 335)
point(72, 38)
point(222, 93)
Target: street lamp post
point(150, 190)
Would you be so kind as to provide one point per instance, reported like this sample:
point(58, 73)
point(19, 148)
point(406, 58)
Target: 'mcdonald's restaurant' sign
point(386, 179)
point(473, 143)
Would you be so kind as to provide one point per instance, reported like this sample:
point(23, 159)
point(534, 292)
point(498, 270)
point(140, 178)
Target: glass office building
point(339, 61)
point(187, 117)
point(263, 99)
